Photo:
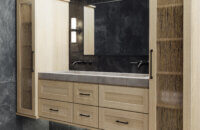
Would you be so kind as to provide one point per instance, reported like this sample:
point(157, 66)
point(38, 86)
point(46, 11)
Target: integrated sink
point(108, 74)
point(110, 78)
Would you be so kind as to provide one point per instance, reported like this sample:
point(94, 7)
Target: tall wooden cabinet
point(42, 46)
point(175, 65)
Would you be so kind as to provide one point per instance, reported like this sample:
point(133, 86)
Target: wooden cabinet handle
point(151, 63)
point(122, 122)
point(53, 110)
point(84, 115)
point(84, 94)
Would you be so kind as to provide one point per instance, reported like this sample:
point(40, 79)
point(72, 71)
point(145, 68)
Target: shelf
point(166, 40)
point(170, 73)
point(170, 5)
point(168, 106)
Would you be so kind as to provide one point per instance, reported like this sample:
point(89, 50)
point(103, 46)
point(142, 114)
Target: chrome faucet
point(81, 62)
point(77, 62)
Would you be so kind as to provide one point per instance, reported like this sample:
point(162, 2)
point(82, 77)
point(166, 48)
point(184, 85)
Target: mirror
point(109, 35)
point(116, 28)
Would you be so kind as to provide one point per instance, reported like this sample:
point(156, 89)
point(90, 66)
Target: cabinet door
point(166, 83)
point(111, 119)
point(25, 58)
point(124, 98)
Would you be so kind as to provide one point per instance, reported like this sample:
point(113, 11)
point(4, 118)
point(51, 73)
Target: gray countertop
point(121, 79)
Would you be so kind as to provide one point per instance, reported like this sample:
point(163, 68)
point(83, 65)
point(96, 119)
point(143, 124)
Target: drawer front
point(86, 115)
point(86, 94)
point(56, 90)
point(110, 119)
point(56, 110)
point(125, 98)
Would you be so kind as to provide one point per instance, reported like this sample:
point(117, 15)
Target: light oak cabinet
point(174, 71)
point(174, 68)
point(94, 106)
point(42, 46)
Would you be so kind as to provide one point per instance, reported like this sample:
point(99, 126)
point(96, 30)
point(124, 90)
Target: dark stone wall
point(111, 62)
point(8, 118)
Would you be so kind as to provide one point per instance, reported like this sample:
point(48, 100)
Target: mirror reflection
point(119, 27)
point(110, 29)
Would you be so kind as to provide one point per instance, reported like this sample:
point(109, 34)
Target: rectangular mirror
point(111, 35)
point(116, 28)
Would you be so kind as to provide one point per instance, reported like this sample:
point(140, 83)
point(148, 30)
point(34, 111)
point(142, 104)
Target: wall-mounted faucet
point(76, 62)
point(81, 62)
point(139, 63)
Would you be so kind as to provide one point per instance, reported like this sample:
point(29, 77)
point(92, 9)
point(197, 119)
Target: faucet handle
point(134, 62)
point(139, 63)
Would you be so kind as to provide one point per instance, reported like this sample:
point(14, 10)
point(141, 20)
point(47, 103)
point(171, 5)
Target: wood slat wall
point(169, 64)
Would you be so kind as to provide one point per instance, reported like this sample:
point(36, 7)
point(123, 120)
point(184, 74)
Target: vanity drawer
point(110, 119)
point(56, 110)
point(86, 93)
point(125, 98)
point(56, 90)
point(86, 115)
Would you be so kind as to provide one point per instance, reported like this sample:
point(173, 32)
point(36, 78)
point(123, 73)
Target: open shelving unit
point(169, 65)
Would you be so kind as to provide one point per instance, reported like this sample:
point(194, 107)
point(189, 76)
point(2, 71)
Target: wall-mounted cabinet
point(172, 101)
point(94, 106)
point(174, 50)
point(42, 46)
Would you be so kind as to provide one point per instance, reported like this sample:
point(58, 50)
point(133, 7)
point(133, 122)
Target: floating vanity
point(49, 45)
point(95, 100)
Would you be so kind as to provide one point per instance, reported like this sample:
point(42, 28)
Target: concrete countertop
point(109, 78)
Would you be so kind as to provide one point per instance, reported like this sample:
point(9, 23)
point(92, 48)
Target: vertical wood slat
point(169, 119)
point(170, 91)
point(170, 56)
point(170, 22)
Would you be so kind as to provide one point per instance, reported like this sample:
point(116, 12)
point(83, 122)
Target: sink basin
point(108, 74)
